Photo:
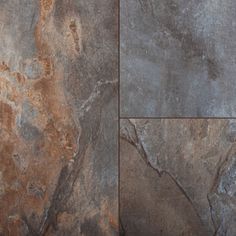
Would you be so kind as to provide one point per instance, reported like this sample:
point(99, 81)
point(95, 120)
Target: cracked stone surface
point(58, 117)
point(177, 177)
point(178, 58)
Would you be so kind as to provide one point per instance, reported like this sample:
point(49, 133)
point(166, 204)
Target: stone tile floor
point(90, 93)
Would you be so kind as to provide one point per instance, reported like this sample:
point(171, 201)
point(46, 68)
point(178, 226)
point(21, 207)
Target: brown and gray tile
point(177, 177)
point(58, 117)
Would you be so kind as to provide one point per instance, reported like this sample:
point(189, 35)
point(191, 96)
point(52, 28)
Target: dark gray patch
point(231, 132)
point(28, 111)
point(90, 227)
point(29, 132)
point(227, 182)
point(213, 69)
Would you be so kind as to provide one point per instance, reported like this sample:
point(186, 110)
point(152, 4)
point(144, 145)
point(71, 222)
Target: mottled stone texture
point(58, 117)
point(178, 58)
point(178, 177)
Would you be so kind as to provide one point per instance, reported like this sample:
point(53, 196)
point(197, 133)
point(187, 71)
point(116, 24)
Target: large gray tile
point(58, 117)
point(178, 58)
point(177, 177)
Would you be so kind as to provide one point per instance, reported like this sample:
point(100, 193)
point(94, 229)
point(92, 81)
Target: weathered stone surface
point(177, 177)
point(178, 58)
point(58, 117)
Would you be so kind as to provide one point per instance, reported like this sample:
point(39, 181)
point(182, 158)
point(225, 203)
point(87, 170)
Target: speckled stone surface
point(178, 58)
point(177, 177)
point(58, 117)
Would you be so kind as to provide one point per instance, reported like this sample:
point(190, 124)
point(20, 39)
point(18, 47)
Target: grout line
point(178, 118)
point(118, 120)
